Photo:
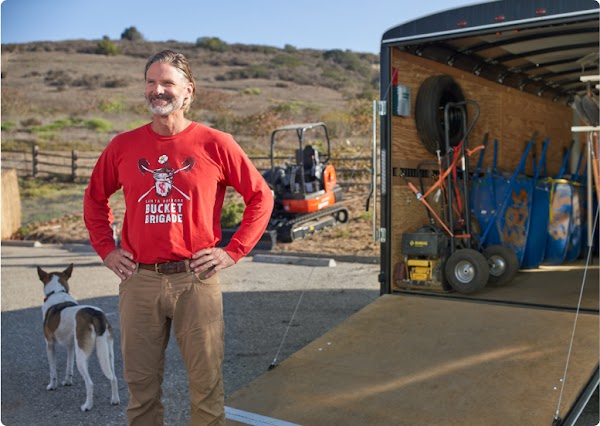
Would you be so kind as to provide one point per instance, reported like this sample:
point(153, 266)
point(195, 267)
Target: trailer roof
point(541, 46)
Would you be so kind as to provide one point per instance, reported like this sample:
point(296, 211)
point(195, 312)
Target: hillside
point(66, 94)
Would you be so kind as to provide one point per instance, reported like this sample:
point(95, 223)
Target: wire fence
point(77, 167)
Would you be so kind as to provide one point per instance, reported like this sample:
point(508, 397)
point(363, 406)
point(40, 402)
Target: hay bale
point(11, 203)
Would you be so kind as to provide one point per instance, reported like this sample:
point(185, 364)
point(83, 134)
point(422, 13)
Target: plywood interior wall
point(507, 114)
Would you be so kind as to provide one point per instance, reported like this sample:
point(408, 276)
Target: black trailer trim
point(518, 44)
point(484, 17)
point(386, 167)
point(582, 400)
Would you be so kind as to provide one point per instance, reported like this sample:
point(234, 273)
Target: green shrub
point(58, 78)
point(112, 106)
point(288, 108)
point(347, 59)
point(251, 71)
point(232, 213)
point(12, 145)
point(225, 121)
point(289, 61)
point(8, 125)
point(214, 44)
point(99, 125)
point(107, 47)
point(251, 91)
point(59, 124)
point(257, 48)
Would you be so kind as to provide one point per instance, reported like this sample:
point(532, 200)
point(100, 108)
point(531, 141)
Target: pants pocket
point(200, 280)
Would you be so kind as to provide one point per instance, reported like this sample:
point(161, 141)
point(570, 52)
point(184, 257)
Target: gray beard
point(174, 105)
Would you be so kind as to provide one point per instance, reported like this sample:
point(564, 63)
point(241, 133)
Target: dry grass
point(49, 89)
point(55, 81)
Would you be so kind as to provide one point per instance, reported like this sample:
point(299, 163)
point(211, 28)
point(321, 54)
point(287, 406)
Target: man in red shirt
point(173, 173)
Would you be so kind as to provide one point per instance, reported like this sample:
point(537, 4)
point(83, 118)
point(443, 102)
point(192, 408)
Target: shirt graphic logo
point(163, 176)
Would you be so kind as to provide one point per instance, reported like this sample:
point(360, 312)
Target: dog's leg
point(106, 356)
point(70, 361)
point(82, 357)
point(52, 364)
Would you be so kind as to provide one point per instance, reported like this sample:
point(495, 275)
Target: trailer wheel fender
point(503, 264)
point(467, 271)
point(435, 92)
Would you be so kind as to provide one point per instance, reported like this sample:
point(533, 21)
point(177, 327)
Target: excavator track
point(298, 227)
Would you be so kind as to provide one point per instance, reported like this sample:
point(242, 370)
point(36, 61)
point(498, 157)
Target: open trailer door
point(411, 360)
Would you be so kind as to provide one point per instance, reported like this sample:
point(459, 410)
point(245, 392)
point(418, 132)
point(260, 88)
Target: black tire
point(435, 92)
point(342, 216)
point(503, 264)
point(467, 271)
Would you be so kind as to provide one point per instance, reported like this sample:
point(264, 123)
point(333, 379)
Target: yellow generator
point(425, 252)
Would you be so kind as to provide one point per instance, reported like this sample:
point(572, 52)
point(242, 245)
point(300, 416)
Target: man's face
point(166, 89)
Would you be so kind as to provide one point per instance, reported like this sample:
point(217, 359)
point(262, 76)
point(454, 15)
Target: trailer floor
point(416, 360)
point(548, 286)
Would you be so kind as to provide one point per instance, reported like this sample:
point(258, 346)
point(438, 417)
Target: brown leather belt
point(167, 268)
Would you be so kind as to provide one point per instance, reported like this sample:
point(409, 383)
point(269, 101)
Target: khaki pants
point(149, 303)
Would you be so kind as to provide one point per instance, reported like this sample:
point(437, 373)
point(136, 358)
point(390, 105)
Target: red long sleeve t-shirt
point(174, 187)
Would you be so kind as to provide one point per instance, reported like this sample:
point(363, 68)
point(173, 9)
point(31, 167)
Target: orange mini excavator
point(306, 191)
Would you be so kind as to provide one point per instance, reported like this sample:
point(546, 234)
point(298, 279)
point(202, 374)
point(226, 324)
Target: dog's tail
point(105, 352)
point(101, 335)
point(106, 356)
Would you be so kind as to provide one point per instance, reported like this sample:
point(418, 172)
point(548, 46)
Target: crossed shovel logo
point(163, 177)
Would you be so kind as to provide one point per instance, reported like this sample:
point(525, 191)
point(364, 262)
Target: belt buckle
point(157, 268)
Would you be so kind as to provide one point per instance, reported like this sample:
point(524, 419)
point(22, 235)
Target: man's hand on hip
point(215, 258)
point(121, 263)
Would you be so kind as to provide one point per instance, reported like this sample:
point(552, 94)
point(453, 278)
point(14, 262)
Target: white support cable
point(274, 363)
point(564, 377)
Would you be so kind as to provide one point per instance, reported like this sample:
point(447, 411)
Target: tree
point(132, 34)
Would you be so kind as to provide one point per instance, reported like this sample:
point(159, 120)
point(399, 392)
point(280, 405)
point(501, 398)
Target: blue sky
point(320, 24)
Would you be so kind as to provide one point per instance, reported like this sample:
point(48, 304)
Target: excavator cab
point(305, 188)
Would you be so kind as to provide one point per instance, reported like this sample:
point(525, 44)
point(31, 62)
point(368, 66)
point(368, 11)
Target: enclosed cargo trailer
point(432, 356)
point(523, 64)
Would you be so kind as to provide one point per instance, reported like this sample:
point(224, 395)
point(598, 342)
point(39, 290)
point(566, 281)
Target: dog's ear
point(41, 273)
point(68, 271)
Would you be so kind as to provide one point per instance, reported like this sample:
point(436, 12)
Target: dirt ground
point(353, 238)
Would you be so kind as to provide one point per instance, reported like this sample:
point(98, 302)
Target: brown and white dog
point(79, 328)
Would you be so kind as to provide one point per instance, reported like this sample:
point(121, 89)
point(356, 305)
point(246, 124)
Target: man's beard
point(173, 104)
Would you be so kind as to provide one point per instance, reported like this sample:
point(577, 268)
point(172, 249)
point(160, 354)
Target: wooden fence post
point(74, 157)
point(35, 151)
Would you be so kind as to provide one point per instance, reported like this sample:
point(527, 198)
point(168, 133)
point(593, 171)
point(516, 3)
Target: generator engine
point(425, 252)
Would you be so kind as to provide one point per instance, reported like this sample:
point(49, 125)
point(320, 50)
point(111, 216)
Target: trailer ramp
point(415, 360)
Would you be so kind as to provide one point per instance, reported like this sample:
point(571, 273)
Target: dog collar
point(53, 292)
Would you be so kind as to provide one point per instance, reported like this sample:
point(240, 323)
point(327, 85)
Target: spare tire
point(435, 92)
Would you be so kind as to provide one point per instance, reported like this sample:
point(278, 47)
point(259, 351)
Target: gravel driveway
point(259, 301)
